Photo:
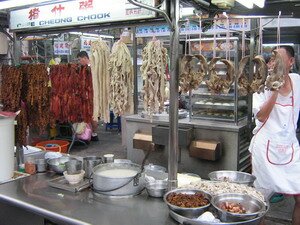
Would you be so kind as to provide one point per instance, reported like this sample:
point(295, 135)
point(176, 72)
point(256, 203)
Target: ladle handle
point(150, 149)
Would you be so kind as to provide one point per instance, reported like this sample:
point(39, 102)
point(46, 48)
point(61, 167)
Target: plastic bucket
point(54, 145)
point(7, 143)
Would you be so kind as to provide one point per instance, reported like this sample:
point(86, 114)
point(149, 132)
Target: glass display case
point(205, 104)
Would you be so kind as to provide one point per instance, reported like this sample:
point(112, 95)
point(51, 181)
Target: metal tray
point(62, 183)
point(188, 221)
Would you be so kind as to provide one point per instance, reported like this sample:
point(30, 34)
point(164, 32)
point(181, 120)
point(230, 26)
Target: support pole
point(253, 33)
point(135, 70)
point(173, 113)
point(16, 50)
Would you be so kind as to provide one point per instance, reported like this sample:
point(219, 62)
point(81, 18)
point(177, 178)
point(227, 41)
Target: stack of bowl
point(156, 180)
point(157, 188)
point(74, 173)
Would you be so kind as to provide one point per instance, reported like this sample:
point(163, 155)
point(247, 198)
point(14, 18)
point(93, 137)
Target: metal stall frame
point(173, 150)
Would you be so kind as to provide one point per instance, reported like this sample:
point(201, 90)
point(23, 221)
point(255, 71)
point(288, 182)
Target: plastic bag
point(86, 135)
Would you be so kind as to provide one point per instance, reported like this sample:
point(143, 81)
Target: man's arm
point(267, 107)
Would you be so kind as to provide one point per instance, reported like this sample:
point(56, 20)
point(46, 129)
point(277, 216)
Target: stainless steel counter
point(186, 122)
point(33, 195)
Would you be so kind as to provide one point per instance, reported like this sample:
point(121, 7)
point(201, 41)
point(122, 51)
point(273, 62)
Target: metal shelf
point(231, 95)
point(213, 106)
point(214, 117)
point(203, 101)
point(217, 117)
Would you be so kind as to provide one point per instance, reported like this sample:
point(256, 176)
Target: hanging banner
point(78, 12)
point(85, 43)
point(61, 48)
point(164, 30)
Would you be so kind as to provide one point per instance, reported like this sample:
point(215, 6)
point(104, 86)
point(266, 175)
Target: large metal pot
point(118, 184)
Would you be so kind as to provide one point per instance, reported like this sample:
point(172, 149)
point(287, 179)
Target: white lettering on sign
point(61, 48)
point(164, 30)
point(78, 12)
point(85, 43)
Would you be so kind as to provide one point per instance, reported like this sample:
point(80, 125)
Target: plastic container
point(54, 145)
point(30, 166)
point(7, 139)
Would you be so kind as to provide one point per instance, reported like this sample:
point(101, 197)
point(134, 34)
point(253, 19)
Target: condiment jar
point(108, 158)
point(30, 166)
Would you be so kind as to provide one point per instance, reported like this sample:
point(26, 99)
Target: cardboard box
point(205, 149)
point(142, 141)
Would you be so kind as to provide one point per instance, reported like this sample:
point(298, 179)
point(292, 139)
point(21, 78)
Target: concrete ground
point(110, 142)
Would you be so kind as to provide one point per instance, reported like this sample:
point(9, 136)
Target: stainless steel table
point(33, 195)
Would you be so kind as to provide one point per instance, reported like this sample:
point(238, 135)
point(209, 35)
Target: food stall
point(215, 132)
point(224, 144)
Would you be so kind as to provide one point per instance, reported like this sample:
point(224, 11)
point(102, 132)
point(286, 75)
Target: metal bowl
point(188, 212)
point(253, 206)
point(153, 167)
point(58, 164)
point(232, 177)
point(157, 188)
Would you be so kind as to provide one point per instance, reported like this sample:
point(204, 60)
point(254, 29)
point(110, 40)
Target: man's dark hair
point(82, 54)
point(289, 49)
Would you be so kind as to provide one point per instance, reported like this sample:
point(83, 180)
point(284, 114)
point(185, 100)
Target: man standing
point(274, 146)
point(83, 59)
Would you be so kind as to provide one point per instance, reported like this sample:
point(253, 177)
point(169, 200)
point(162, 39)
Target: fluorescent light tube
point(246, 3)
point(92, 35)
point(259, 3)
point(274, 44)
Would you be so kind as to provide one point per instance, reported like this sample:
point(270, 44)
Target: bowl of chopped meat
point(190, 203)
point(233, 207)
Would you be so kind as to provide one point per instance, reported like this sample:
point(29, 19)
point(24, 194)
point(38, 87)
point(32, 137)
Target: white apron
point(275, 150)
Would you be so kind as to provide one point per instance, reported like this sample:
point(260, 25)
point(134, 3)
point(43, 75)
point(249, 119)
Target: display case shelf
point(213, 106)
point(219, 107)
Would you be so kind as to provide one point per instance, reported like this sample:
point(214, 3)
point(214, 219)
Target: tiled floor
point(110, 142)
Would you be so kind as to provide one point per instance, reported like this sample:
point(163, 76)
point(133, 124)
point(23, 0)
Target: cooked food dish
point(187, 200)
point(232, 207)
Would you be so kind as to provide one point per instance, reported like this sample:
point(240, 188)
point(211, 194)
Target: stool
point(113, 124)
